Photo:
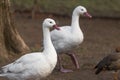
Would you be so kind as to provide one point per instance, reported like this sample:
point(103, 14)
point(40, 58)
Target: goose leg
point(74, 59)
point(61, 67)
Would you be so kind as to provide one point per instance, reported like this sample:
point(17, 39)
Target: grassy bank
point(101, 8)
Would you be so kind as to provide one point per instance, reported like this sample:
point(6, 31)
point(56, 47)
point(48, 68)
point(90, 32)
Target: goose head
point(80, 10)
point(50, 23)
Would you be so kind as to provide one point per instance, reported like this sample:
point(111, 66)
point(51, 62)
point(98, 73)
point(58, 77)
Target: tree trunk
point(10, 40)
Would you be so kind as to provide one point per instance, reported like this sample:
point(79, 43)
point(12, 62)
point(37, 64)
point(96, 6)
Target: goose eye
point(50, 22)
point(82, 10)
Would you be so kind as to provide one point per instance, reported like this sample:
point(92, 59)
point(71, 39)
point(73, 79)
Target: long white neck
point(75, 22)
point(49, 51)
point(48, 46)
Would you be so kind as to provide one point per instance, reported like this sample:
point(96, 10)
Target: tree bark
point(10, 40)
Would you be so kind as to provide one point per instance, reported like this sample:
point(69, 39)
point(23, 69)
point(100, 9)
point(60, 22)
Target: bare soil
point(102, 36)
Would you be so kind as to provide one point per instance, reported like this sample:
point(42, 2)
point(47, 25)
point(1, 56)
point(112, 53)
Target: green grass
point(95, 7)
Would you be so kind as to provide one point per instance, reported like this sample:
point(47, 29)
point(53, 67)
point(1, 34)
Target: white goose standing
point(69, 37)
point(34, 65)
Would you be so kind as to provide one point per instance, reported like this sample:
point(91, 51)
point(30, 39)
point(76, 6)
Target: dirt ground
point(102, 36)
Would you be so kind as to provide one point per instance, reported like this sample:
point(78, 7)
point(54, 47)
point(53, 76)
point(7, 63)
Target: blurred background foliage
point(100, 8)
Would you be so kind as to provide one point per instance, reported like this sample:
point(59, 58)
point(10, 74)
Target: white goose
point(69, 37)
point(34, 65)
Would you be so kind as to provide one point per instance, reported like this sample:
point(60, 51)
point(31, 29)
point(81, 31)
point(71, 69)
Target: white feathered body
point(71, 36)
point(34, 65)
point(29, 66)
point(64, 40)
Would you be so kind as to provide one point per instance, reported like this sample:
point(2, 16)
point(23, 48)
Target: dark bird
point(109, 63)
